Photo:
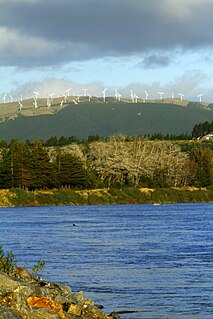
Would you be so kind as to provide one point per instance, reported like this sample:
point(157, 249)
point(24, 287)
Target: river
point(156, 258)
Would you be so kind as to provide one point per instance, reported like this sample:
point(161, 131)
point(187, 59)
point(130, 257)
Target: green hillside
point(105, 119)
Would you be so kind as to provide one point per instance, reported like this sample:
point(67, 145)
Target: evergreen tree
point(71, 171)
point(43, 169)
point(16, 168)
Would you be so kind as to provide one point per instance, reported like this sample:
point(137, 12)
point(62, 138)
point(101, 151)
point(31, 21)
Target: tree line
point(117, 162)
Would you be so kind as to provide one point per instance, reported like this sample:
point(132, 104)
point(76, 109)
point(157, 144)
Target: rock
point(6, 313)
point(23, 296)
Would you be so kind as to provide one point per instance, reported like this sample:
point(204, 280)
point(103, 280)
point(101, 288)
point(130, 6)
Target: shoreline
point(105, 196)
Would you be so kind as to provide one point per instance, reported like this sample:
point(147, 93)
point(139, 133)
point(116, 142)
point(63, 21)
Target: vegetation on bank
point(112, 196)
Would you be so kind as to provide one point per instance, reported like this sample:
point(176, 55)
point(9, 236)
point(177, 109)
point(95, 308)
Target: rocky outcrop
point(23, 296)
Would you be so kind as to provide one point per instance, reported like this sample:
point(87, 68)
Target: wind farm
point(84, 114)
point(37, 105)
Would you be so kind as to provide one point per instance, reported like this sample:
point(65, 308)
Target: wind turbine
point(4, 98)
point(35, 103)
point(20, 105)
point(36, 94)
point(48, 102)
point(119, 97)
point(132, 96)
point(51, 96)
point(11, 98)
point(136, 98)
point(200, 97)
point(104, 95)
point(85, 91)
point(68, 91)
point(90, 96)
point(21, 98)
point(181, 96)
point(116, 94)
point(65, 98)
point(161, 95)
point(78, 99)
point(173, 96)
point(146, 95)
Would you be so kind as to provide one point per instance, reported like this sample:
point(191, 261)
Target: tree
point(203, 161)
point(16, 168)
point(43, 168)
point(71, 171)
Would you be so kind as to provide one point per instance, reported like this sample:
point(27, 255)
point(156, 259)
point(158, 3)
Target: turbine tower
point(20, 105)
point(36, 94)
point(146, 95)
point(104, 95)
point(35, 103)
point(4, 98)
point(181, 96)
point(119, 97)
point(173, 96)
point(200, 97)
point(90, 96)
point(85, 91)
point(11, 98)
point(132, 96)
point(161, 95)
point(51, 96)
point(136, 98)
point(68, 91)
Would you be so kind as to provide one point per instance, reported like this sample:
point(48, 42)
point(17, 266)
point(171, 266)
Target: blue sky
point(152, 45)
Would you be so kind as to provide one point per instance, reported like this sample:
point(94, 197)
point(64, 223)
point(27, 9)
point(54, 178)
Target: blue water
point(156, 258)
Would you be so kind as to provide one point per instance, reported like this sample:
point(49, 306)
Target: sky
point(50, 46)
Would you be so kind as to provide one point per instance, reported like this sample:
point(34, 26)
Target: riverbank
point(112, 196)
point(23, 296)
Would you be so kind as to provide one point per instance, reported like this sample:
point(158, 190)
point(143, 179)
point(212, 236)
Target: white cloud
point(15, 42)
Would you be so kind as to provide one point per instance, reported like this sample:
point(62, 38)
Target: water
point(156, 258)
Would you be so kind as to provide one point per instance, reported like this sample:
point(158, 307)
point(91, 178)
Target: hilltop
point(83, 117)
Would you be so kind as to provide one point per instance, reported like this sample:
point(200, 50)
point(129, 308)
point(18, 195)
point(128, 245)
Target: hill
point(95, 117)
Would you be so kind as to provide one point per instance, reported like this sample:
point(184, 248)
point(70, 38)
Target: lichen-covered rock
point(23, 296)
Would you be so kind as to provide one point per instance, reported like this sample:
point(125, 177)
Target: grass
point(58, 197)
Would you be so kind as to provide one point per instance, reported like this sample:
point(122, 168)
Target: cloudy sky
point(152, 45)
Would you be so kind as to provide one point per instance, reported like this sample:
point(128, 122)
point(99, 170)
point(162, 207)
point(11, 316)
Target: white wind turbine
point(173, 96)
point(181, 96)
point(36, 94)
point(104, 95)
point(200, 97)
point(161, 95)
point(136, 98)
point(90, 96)
point(35, 103)
point(85, 91)
point(65, 98)
point(20, 105)
point(68, 91)
point(132, 96)
point(119, 97)
point(146, 95)
point(11, 98)
point(4, 98)
point(51, 96)
point(116, 94)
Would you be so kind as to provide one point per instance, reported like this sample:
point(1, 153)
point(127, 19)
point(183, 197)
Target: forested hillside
point(106, 119)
